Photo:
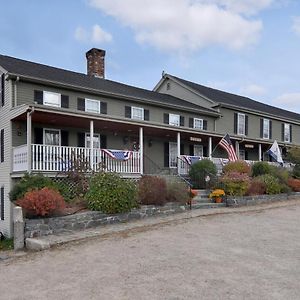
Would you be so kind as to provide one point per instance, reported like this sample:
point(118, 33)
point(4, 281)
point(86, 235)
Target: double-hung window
point(174, 120)
point(266, 128)
point(52, 137)
point(96, 140)
point(51, 99)
point(198, 123)
point(92, 106)
point(287, 133)
point(137, 113)
point(241, 124)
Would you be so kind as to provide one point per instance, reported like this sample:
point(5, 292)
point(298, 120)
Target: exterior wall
point(5, 167)
point(115, 107)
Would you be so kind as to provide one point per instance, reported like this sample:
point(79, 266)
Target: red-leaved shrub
point(42, 202)
point(152, 190)
point(256, 187)
point(294, 184)
point(238, 166)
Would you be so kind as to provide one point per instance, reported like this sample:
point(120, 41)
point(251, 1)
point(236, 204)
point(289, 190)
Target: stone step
point(203, 200)
point(208, 205)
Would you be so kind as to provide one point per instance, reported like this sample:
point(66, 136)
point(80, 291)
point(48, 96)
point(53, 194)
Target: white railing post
point(259, 152)
point(141, 150)
point(92, 144)
point(210, 147)
point(28, 137)
point(178, 152)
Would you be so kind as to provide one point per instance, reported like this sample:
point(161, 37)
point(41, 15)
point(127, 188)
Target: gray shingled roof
point(239, 101)
point(40, 71)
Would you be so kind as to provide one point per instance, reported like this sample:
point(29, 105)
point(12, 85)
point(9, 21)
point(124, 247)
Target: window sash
point(51, 99)
point(266, 129)
point(137, 113)
point(96, 141)
point(92, 106)
point(198, 123)
point(174, 119)
point(287, 132)
point(198, 150)
point(172, 155)
point(241, 124)
point(52, 137)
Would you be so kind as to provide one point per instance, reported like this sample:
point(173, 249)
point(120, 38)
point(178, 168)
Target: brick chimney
point(95, 62)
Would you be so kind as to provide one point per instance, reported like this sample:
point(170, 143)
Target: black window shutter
point(2, 145)
point(235, 124)
point(246, 125)
point(166, 121)
point(2, 203)
point(2, 90)
point(282, 132)
point(271, 130)
point(103, 108)
point(38, 97)
point(204, 125)
point(146, 114)
point(191, 150)
point(261, 128)
point(128, 112)
point(291, 134)
point(181, 149)
point(64, 138)
point(81, 139)
point(166, 154)
point(246, 155)
point(38, 136)
point(205, 151)
point(181, 120)
point(103, 141)
point(81, 104)
point(191, 122)
point(64, 101)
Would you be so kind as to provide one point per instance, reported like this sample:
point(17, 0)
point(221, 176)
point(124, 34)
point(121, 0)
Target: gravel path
point(253, 255)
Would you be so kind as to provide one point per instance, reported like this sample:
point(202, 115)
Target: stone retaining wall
point(254, 200)
point(89, 219)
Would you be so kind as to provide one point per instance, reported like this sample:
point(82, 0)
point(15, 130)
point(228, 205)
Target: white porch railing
point(45, 158)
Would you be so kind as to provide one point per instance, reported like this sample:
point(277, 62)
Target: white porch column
point(28, 137)
point(141, 136)
point(210, 147)
point(92, 144)
point(259, 152)
point(178, 152)
point(237, 149)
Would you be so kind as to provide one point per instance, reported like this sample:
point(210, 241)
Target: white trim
point(238, 124)
point(138, 108)
point(173, 124)
point(52, 129)
point(51, 104)
point(287, 130)
point(198, 119)
point(267, 137)
point(93, 101)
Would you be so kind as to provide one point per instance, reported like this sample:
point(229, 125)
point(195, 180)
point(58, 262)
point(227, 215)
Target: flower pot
point(218, 199)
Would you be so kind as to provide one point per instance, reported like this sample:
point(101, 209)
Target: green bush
point(200, 170)
point(260, 168)
point(238, 166)
point(111, 194)
point(281, 173)
point(177, 191)
point(235, 183)
point(273, 185)
point(296, 171)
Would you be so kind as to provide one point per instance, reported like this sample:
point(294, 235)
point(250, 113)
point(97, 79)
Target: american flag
point(226, 144)
point(191, 159)
point(118, 154)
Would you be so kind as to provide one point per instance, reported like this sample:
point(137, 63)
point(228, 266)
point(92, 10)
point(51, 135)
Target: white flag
point(275, 152)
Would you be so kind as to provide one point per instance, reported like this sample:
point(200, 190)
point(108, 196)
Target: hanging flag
point(275, 152)
point(226, 144)
point(118, 154)
point(190, 160)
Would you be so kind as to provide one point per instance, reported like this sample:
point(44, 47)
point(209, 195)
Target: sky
point(247, 47)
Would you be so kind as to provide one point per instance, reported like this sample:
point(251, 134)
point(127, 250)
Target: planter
point(218, 200)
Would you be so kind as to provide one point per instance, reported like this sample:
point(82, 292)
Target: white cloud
point(296, 25)
point(290, 101)
point(96, 35)
point(184, 25)
point(253, 90)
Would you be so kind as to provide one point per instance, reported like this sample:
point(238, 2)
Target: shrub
point(256, 187)
point(28, 183)
point(235, 184)
point(294, 184)
point(178, 191)
point(260, 168)
point(200, 170)
point(296, 171)
point(238, 166)
point(152, 190)
point(272, 183)
point(42, 202)
point(281, 173)
point(111, 194)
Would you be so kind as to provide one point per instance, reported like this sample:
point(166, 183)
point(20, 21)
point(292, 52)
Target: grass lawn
point(7, 244)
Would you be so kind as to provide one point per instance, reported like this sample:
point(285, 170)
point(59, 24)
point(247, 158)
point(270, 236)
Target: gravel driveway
point(253, 255)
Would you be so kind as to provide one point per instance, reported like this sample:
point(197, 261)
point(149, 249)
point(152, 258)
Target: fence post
point(18, 228)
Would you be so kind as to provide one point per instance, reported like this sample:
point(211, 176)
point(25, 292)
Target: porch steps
point(202, 200)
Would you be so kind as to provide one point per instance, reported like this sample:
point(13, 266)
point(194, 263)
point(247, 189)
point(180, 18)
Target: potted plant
point(217, 195)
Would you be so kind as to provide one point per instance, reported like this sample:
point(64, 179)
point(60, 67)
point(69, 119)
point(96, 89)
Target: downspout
point(16, 91)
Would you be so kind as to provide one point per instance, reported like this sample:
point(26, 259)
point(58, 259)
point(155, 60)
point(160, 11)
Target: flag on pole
point(118, 154)
point(226, 144)
point(275, 152)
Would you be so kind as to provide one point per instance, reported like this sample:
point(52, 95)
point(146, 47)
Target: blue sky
point(248, 47)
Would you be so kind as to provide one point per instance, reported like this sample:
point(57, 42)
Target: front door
point(173, 155)
point(198, 150)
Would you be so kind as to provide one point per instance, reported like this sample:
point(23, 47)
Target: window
point(1, 145)
point(241, 124)
point(51, 99)
point(198, 150)
point(287, 133)
point(266, 129)
point(137, 113)
point(52, 137)
point(198, 123)
point(242, 154)
point(92, 106)
point(96, 140)
point(2, 89)
point(174, 120)
point(2, 203)
point(172, 155)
